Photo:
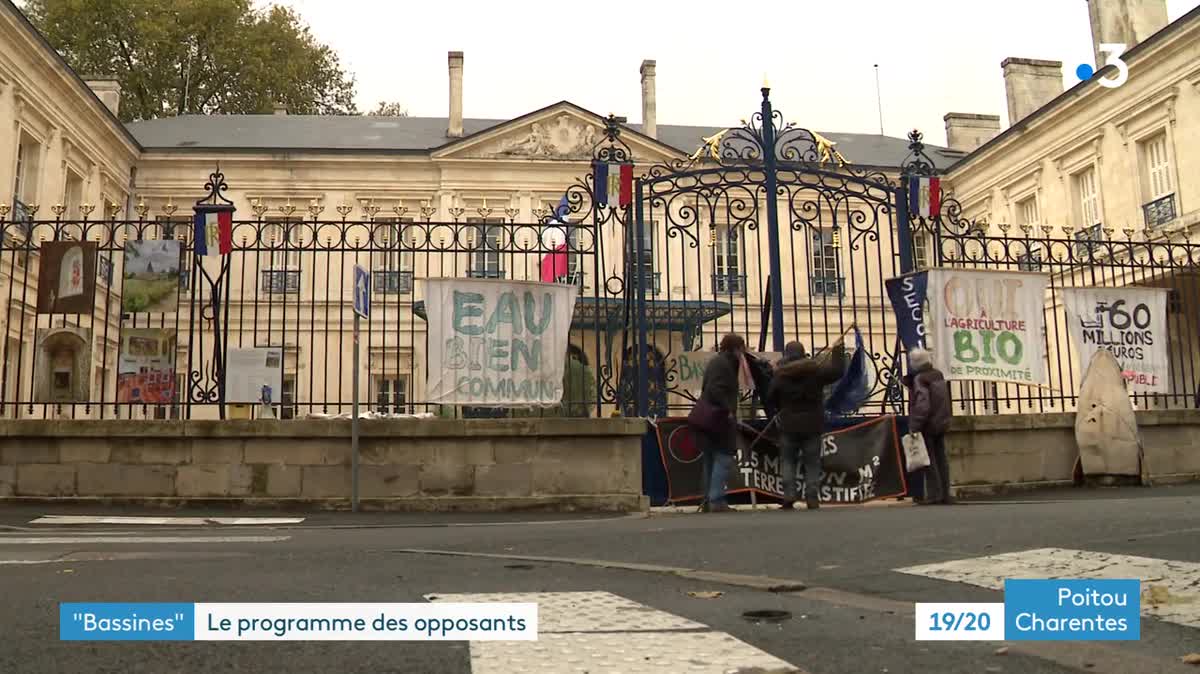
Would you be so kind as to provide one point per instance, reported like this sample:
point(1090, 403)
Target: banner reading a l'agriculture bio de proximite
point(988, 325)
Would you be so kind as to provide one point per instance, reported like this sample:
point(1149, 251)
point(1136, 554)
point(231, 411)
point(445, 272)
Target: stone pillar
point(965, 132)
point(8, 143)
point(455, 127)
point(1030, 84)
point(649, 100)
point(108, 91)
point(1125, 22)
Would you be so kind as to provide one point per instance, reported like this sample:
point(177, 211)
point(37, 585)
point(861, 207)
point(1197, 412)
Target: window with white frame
point(391, 394)
point(1157, 167)
point(72, 195)
point(391, 256)
point(826, 277)
point(1157, 187)
point(728, 249)
point(1087, 197)
point(921, 250)
point(486, 260)
point(1027, 211)
point(281, 240)
point(29, 154)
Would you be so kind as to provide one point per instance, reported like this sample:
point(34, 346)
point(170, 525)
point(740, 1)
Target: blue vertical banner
point(908, 294)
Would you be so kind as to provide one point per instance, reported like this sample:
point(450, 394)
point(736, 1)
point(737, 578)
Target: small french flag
point(214, 232)
point(614, 184)
point(925, 197)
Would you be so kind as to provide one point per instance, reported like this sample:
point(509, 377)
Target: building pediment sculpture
point(564, 137)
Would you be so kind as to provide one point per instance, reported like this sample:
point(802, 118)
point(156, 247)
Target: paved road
point(854, 616)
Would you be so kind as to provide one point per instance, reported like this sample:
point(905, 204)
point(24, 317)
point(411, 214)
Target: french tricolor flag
point(214, 232)
point(614, 184)
point(553, 266)
point(925, 197)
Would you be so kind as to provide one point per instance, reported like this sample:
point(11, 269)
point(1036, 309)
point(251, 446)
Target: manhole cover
point(767, 616)
point(519, 567)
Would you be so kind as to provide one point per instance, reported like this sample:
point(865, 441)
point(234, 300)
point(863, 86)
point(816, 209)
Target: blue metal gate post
point(904, 226)
point(775, 280)
point(641, 346)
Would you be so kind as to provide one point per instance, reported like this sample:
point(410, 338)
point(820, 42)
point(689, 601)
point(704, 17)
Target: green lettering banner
point(988, 325)
point(498, 343)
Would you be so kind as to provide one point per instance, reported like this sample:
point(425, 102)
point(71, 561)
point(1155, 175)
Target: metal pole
point(640, 276)
point(354, 426)
point(879, 99)
point(776, 275)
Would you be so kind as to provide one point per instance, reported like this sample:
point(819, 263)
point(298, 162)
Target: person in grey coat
point(929, 414)
point(720, 386)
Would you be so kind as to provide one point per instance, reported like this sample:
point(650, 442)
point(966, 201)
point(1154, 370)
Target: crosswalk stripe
point(183, 521)
point(109, 540)
point(600, 631)
point(1170, 589)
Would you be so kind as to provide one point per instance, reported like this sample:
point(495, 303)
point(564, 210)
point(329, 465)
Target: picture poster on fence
point(988, 325)
point(67, 277)
point(859, 463)
point(689, 367)
point(63, 363)
point(1129, 322)
point(146, 366)
point(253, 375)
point(151, 277)
point(496, 342)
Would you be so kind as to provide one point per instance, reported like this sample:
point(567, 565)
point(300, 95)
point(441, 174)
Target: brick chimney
point(1125, 22)
point(649, 102)
point(965, 131)
point(1030, 84)
point(455, 126)
point(108, 91)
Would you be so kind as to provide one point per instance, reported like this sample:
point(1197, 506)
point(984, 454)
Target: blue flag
point(851, 391)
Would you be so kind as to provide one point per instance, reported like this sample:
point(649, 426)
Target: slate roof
point(420, 135)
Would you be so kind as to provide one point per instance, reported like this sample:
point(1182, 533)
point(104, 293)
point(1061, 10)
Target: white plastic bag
point(916, 456)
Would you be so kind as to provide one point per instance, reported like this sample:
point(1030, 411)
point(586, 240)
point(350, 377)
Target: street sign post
point(362, 309)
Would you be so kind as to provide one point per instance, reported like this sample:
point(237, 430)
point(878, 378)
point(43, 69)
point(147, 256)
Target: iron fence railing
point(1160, 211)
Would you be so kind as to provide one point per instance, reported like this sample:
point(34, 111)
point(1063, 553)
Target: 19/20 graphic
point(1113, 52)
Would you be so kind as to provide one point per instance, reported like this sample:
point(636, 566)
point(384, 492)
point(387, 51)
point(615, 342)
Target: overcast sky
point(934, 56)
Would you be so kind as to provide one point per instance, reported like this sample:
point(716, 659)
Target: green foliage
point(176, 57)
point(389, 109)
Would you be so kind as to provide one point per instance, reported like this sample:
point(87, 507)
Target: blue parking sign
point(362, 292)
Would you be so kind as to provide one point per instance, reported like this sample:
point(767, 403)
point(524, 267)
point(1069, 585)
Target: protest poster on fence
point(988, 325)
point(496, 342)
point(907, 294)
point(1129, 322)
point(689, 367)
point(859, 463)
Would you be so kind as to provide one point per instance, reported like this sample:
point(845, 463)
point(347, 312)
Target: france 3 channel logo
point(1040, 610)
point(1113, 52)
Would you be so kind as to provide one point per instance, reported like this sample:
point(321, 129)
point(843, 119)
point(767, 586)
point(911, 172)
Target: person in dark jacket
point(798, 392)
point(929, 414)
point(720, 387)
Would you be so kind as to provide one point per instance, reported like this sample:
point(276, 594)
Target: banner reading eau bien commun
point(497, 343)
point(988, 325)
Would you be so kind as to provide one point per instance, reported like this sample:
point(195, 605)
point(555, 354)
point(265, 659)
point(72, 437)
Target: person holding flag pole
point(798, 392)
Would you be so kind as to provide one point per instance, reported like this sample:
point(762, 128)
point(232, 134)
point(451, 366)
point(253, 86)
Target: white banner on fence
point(988, 325)
point(497, 343)
point(1129, 322)
point(253, 375)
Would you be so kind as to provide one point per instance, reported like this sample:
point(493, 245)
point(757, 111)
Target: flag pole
point(878, 99)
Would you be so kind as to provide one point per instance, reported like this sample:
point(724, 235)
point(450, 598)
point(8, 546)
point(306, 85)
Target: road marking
point(109, 540)
point(188, 521)
point(600, 631)
point(1177, 599)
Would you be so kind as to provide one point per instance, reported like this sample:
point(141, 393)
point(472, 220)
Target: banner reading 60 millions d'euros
point(988, 325)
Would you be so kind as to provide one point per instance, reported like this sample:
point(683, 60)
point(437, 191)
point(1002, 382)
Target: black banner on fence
point(859, 463)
